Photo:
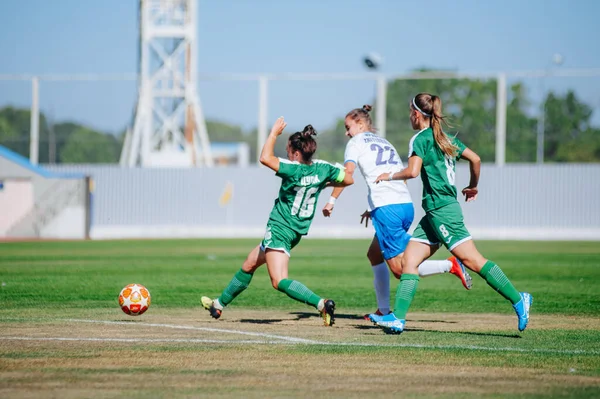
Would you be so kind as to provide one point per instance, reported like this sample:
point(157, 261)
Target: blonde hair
point(362, 115)
point(430, 106)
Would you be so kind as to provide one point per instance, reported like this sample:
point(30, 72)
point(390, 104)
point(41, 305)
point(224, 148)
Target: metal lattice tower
point(169, 127)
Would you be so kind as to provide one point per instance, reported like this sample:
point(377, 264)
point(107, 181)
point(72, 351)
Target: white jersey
point(375, 155)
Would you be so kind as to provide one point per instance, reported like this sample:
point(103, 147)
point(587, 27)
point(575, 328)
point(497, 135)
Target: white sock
point(382, 287)
point(433, 267)
point(217, 304)
point(321, 305)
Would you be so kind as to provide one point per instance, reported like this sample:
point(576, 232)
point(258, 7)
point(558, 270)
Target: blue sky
point(84, 36)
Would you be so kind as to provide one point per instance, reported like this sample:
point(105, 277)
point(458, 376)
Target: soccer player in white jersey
point(390, 207)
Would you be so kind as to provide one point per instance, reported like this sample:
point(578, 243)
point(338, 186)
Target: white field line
point(283, 340)
point(145, 340)
point(220, 330)
point(263, 342)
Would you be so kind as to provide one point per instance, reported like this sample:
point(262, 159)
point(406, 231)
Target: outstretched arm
point(410, 172)
point(267, 155)
point(337, 190)
point(470, 192)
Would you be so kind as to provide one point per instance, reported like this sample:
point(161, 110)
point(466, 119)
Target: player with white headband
point(433, 154)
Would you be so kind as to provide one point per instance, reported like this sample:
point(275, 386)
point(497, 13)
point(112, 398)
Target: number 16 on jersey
point(304, 202)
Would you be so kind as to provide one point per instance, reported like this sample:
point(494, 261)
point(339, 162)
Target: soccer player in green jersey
point(302, 180)
point(433, 154)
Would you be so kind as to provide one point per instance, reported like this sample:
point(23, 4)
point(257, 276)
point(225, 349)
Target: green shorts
point(443, 225)
point(280, 237)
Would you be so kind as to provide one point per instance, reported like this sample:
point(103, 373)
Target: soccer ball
point(134, 299)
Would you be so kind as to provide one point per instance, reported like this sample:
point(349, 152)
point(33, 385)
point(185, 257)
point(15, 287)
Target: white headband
point(417, 108)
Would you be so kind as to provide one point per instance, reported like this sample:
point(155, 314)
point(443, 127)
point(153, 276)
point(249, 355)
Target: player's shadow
point(261, 321)
point(435, 321)
point(307, 315)
point(372, 327)
point(473, 333)
point(416, 329)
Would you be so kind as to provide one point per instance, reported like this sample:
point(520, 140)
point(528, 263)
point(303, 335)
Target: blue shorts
point(391, 224)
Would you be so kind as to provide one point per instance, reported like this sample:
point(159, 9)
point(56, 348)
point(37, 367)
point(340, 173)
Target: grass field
point(63, 335)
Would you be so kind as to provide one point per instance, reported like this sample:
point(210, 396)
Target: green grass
point(43, 282)
point(562, 276)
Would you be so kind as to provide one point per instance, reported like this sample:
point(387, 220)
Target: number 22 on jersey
point(381, 155)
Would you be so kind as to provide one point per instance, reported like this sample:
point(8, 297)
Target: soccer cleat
point(522, 309)
point(377, 312)
point(389, 322)
point(208, 304)
point(459, 270)
point(328, 312)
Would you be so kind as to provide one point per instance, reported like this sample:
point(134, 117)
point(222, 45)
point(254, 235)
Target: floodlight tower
point(373, 62)
point(167, 97)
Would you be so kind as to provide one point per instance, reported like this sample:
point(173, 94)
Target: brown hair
point(362, 115)
point(431, 106)
point(304, 142)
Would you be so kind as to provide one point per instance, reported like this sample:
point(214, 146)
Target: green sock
point(405, 293)
point(495, 277)
point(238, 283)
point(298, 291)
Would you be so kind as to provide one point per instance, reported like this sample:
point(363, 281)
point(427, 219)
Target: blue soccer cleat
point(522, 309)
point(389, 322)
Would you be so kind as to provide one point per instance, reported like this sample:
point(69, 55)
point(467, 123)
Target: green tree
point(586, 148)
point(9, 137)
point(84, 145)
point(470, 105)
point(61, 132)
point(15, 131)
point(332, 143)
point(569, 135)
point(520, 128)
point(222, 132)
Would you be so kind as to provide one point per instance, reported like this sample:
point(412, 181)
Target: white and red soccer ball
point(134, 299)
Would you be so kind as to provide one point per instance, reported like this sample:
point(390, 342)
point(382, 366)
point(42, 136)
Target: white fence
point(515, 202)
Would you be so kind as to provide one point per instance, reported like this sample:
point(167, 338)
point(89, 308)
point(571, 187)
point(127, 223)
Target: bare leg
point(240, 281)
point(415, 254)
point(254, 260)
point(277, 264)
point(468, 254)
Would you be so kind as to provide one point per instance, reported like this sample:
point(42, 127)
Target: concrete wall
point(515, 202)
point(68, 224)
point(43, 211)
point(16, 199)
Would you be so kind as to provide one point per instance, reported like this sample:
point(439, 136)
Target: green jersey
point(437, 172)
point(300, 188)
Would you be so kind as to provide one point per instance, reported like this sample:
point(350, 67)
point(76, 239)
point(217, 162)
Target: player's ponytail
point(430, 106)
point(362, 115)
point(308, 131)
point(304, 142)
